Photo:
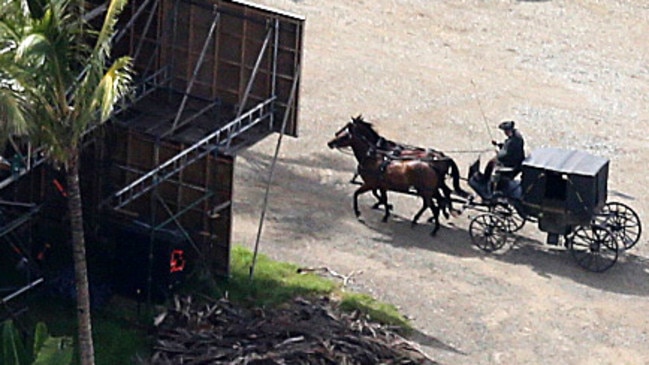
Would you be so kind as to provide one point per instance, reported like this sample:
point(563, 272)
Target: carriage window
point(555, 186)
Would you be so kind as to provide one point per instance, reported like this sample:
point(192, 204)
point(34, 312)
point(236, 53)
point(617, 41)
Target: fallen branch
point(345, 278)
point(300, 332)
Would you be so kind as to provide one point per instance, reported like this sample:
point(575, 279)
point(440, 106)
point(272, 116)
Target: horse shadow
point(629, 275)
point(400, 232)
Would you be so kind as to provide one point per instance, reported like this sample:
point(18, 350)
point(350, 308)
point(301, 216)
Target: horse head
point(365, 130)
point(342, 138)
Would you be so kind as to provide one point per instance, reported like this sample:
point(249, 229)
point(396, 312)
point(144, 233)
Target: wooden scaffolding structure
point(213, 77)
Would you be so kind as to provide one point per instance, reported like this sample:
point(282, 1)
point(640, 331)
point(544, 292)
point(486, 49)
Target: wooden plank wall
point(177, 35)
point(135, 153)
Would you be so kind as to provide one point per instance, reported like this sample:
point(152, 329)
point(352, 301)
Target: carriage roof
point(566, 161)
point(564, 188)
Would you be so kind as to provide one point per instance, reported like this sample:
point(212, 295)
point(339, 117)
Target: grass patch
point(273, 282)
point(277, 282)
point(121, 330)
point(377, 311)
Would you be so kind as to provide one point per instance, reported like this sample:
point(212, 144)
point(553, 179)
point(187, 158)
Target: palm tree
point(54, 85)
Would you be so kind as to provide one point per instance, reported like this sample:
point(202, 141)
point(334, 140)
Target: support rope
point(484, 118)
point(272, 169)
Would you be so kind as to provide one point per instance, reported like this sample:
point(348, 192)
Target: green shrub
point(47, 350)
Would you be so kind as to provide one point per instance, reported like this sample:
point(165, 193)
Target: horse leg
point(359, 191)
point(419, 213)
point(444, 202)
point(384, 199)
point(378, 197)
point(447, 202)
point(435, 210)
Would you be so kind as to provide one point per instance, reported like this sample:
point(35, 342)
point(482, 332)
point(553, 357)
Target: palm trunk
point(86, 347)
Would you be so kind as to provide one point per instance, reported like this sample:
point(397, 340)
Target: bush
point(46, 350)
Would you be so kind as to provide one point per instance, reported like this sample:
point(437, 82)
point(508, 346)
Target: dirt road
point(443, 74)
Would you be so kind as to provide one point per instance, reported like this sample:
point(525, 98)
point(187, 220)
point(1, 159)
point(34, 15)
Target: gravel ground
point(443, 74)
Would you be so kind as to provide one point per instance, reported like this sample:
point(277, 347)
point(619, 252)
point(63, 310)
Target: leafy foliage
point(54, 84)
point(47, 350)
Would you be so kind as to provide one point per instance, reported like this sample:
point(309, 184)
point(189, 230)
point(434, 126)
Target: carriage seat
point(506, 172)
point(502, 185)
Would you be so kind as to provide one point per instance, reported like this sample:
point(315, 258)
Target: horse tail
point(455, 174)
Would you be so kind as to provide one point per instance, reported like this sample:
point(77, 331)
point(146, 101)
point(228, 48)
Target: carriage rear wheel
point(513, 221)
point(489, 232)
point(594, 247)
point(622, 221)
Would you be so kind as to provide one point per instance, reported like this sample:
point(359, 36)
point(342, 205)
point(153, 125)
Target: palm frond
point(104, 38)
point(35, 49)
point(115, 84)
point(12, 119)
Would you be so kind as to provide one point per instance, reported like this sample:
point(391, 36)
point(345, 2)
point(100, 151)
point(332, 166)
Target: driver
point(511, 152)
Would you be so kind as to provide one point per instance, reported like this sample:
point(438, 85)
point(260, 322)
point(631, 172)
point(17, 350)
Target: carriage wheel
point(513, 221)
point(489, 232)
point(594, 248)
point(622, 221)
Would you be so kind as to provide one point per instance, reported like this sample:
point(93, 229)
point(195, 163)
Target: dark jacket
point(512, 151)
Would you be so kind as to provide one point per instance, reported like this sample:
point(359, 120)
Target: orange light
point(177, 261)
point(60, 188)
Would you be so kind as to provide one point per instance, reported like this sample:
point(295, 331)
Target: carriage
point(564, 192)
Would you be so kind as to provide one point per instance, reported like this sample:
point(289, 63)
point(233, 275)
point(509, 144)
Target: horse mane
point(370, 132)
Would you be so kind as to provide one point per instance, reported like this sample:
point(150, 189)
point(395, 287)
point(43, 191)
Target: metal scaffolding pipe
point(145, 31)
point(255, 69)
point(273, 83)
point(21, 290)
point(130, 23)
point(272, 169)
point(175, 220)
point(199, 63)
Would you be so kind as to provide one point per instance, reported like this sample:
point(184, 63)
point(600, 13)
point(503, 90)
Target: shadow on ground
point(430, 341)
point(305, 205)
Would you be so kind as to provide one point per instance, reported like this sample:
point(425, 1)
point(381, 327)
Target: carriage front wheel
point(594, 247)
point(623, 222)
point(513, 221)
point(489, 232)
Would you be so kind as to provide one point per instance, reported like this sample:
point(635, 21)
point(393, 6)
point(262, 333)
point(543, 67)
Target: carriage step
point(552, 239)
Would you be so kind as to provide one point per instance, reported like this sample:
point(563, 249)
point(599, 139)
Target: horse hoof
point(384, 220)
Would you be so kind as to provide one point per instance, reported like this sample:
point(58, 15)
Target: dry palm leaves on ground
point(301, 332)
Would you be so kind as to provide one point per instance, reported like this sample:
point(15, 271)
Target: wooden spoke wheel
point(622, 221)
point(489, 232)
point(513, 221)
point(594, 247)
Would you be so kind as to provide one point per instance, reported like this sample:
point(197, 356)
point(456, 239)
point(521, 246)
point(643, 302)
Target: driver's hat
point(507, 125)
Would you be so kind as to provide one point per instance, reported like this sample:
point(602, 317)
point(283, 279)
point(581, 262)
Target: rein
point(345, 151)
point(470, 151)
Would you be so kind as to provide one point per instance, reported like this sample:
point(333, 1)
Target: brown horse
point(385, 174)
point(401, 151)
